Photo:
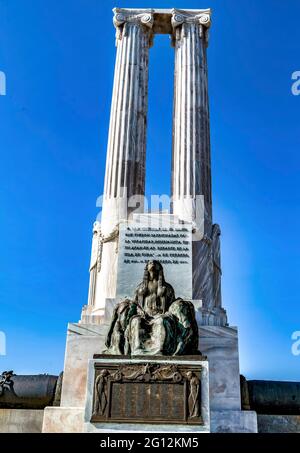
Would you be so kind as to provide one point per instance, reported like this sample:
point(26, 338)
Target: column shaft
point(126, 151)
point(191, 172)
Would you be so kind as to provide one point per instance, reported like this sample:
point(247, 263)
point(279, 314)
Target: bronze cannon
point(28, 391)
point(271, 397)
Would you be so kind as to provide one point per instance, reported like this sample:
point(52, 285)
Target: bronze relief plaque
point(147, 393)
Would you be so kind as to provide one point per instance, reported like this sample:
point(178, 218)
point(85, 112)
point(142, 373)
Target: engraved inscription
point(171, 246)
point(168, 245)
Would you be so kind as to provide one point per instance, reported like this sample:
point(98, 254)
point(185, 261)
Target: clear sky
point(58, 57)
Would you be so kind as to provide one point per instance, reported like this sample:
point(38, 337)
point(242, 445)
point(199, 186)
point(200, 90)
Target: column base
point(216, 316)
point(98, 316)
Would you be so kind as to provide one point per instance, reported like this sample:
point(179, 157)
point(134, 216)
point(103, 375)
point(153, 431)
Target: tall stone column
point(126, 150)
point(191, 172)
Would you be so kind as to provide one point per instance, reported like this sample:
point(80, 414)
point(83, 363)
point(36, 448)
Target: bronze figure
point(154, 322)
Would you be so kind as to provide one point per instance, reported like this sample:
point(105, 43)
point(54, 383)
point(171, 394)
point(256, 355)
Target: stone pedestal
point(171, 241)
point(148, 394)
point(83, 341)
point(233, 422)
point(219, 344)
point(63, 420)
point(17, 421)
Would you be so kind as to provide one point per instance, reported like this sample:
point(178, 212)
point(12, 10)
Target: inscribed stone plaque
point(171, 245)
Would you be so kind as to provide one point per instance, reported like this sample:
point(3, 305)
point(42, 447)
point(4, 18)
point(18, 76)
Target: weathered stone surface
point(63, 420)
point(220, 345)
point(191, 172)
point(125, 167)
point(152, 237)
point(83, 341)
point(21, 421)
point(126, 148)
point(125, 176)
point(162, 17)
point(233, 422)
point(142, 428)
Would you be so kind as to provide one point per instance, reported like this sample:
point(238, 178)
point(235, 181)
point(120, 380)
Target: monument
point(133, 362)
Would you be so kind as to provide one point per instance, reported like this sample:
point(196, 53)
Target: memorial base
point(219, 344)
point(158, 394)
point(233, 421)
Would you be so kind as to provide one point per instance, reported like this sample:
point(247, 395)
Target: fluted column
point(191, 172)
point(126, 150)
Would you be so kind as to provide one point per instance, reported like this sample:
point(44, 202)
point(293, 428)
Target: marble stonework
point(234, 422)
point(163, 239)
point(191, 172)
point(126, 154)
point(191, 203)
point(63, 420)
point(19, 421)
point(220, 345)
point(83, 341)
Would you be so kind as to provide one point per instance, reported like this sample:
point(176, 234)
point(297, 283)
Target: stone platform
point(219, 344)
point(18, 421)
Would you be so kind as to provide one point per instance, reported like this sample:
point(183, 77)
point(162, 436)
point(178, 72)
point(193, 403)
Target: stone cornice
point(162, 21)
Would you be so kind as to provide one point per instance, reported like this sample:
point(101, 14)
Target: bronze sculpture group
point(154, 322)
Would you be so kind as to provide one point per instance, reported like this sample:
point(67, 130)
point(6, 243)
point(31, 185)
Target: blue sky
point(58, 58)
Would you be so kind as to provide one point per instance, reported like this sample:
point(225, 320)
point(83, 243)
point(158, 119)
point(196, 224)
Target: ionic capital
point(200, 17)
point(139, 17)
point(181, 18)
